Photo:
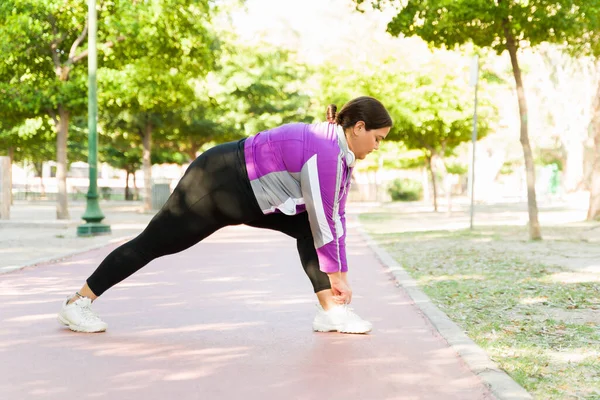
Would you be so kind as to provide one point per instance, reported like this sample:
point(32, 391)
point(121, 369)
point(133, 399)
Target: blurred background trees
point(503, 25)
point(177, 76)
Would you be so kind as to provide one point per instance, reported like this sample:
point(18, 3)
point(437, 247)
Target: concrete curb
point(7, 224)
point(61, 257)
point(501, 385)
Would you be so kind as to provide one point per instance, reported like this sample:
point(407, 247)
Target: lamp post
point(93, 215)
point(474, 82)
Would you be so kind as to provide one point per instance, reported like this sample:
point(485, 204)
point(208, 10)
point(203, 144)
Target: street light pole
point(475, 83)
point(92, 215)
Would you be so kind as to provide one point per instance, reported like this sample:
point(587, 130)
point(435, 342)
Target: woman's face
point(362, 141)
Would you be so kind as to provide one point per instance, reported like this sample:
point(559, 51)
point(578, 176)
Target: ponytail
point(331, 113)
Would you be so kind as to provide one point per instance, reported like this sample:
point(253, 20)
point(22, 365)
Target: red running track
point(229, 318)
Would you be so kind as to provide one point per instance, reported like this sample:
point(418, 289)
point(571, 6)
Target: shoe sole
point(77, 328)
point(325, 328)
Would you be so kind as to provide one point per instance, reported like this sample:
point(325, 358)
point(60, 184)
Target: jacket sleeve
point(342, 239)
point(320, 180)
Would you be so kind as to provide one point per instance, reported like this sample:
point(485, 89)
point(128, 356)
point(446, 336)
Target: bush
point(405, 190)
point(105, 193)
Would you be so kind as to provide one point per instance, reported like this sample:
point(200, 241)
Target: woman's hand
point(345, 279)
point(342, 294)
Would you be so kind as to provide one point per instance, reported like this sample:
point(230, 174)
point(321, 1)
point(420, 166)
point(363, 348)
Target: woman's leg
point(332, 316)
point(213, 193)
point(172, 230)
point(298, 227)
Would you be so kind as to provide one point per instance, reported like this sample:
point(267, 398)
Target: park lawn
point(538, 320)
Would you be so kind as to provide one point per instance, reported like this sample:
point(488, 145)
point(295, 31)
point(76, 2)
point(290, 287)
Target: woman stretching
point(293, 179)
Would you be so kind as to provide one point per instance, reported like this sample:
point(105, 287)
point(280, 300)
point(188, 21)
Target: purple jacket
point(302, 167)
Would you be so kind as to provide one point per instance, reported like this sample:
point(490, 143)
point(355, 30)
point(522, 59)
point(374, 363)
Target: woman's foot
point(340, 318)
point(79, 317)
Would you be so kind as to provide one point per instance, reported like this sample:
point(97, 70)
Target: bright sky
point(318, 29)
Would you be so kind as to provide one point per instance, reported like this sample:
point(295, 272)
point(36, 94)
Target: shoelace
point(88, 314)
point(350, 312)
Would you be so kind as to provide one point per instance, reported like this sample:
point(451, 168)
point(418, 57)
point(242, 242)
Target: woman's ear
point(359, 127)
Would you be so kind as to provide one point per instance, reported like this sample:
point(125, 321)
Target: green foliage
point(550, 156)
point(120, 151)
point(31, 140)
point(388, 82)
point(405, 190)
point(447, 23)
point(148, 52)
point(36, 39)
point(162, 34)
point(440, 119)
point(509, 167)
point(256, 89)
point(250, 89)
point(402, 158)
point(457, 168)
point(498, 25)
point(166, 43)
point(145, 82)
point(431, 108)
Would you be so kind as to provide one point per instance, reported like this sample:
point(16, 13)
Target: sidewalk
point(209, 322)
point(33, 234)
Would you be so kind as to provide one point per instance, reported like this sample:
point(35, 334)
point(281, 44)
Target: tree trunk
point(62, 132)
point(594, 207)
point(39, 170)
point(191, 154)
point(425, 181)
point(573, 170)
point(135, 188)
point(127, 185)
point(433, 185)
point(42, 187)
point(11, 157)
point(534, 225)
point(147, 166)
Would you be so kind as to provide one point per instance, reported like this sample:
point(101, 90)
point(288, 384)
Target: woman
point(293, 179)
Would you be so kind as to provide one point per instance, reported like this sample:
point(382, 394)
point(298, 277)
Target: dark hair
point(331, 109)
point(364, 108)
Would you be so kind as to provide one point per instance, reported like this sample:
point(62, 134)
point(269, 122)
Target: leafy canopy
point(447, 23)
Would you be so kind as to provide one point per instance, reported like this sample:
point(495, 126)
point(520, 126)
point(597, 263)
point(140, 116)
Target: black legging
point(213, 193)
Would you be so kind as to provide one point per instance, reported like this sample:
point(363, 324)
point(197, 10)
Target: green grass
point(529, 322)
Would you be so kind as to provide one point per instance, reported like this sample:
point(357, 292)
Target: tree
point(252, 89)
point(503, 25)
point(594, 207)
point(121, 151)
point(440, 120)
point(256, 89)
point(560, 75)
point(136, 99)
point(588, 43)
point(25, 141)
point(431, 108)
point(149, 74)
point(32, 141)
point(44, 46)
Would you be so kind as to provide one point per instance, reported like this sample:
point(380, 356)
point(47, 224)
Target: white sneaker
point(340, 318)
point(79, 317)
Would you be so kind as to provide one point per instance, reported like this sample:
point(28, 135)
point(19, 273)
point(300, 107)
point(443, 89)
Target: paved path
point(33, 234)
point(212, 323)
